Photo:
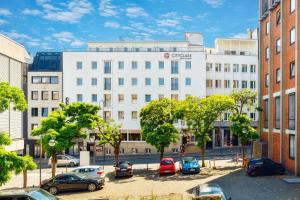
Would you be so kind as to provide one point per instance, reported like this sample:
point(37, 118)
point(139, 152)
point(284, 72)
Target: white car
point(92, 172)
point(65, 160)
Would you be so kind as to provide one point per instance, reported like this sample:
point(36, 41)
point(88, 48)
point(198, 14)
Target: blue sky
point(55, 25)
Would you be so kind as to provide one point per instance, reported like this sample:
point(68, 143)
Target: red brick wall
point(276, 147)
point(288, 163)
point(264, 136)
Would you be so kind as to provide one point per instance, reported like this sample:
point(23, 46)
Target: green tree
point(109, 133)
point(27, 164)
point(200, 115)
point(10, 95)
point(157, 123)
point(63, 126)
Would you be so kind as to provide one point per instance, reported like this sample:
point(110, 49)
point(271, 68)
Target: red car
point(167, 166)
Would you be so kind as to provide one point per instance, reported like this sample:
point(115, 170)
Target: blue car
point(189, 165)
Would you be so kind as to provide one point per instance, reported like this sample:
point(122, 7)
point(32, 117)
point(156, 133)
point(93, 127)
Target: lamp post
point(51, 143)
point(101, 105)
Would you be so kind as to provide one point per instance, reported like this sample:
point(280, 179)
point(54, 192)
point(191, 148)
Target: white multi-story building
point(123, 76)
point(13, 64)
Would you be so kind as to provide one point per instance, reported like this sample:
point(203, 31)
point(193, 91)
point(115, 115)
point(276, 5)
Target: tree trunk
point(202, 156)
point(24, 178)
point(162, 150)
point(117, 152)
point(53, 165)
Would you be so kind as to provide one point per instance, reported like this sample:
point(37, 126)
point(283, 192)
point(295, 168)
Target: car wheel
point(72, 164)
point(53, 190)
point(92, 187)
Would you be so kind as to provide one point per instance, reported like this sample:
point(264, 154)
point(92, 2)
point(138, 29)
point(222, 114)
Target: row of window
point(44, 111)
point(44, 95)
point(135, 49)
point(44, 79)
point(134, 65)
point(227, 67)
point(278, 74)
point(135, 150)
point(227, 84)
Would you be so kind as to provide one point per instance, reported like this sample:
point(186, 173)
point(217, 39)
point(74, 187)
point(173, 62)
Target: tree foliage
point(243, 99)
point(10, 95)
point(65, 125)
point(200, 115)
point(157, 123)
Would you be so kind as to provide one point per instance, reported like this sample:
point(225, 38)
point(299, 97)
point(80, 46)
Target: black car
point(264, 166)
point(123, 169)
point(28, 193)
point(71, 181)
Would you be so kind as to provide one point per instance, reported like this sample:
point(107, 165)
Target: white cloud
point(110, 24)
point(107, 9)
point(212, 29)
point(5, 12)
point(172, 19)
point(240, 35)
point(68, 37)
point(168, 22)
point(214, 3)
point(2, 21)
point(202, 15)
point(177, 16)
point(135, 12)
point(33, 12)
point(77, 43)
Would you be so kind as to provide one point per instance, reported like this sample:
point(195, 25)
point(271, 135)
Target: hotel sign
point(178, 55)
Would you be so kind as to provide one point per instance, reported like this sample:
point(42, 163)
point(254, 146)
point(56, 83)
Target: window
point(278, 17)
point(135, 150)
point(267, 28)
point(267, 53)
point(292, 70)
point(226, 67)
point(292, 111)
point(209, 67)
point(188, 65)
point(147, 151)
point(218, 83)
point(278, 75)
point(78, 65)
point(34, 95)
point(174, 97)
point(134, 115)
point(292, 5)
point(267, 80)
point(94, 65)
point(161, 97)
point(121, 98)
point(134, 81)
point(45, 95)
point(107, 67)
point(226, 116)
point(134, 98)
point(174, 67)
point(121, 65)
point(161, 81)
point(252, 68)
point(147, 97)
point(107, 100)
point(147, 65)
point(218, 67)
point(174, 83)
point(34, 126)
point(55, 109)
point(79, 81)
point(34, 112)
point(244, 84)
point(292, 146)
point(244, 68)
point(253, 116)
point(46, 79)
point(120, 115)
point(292, 36)
point(134, 65)
point(36, 79)
point(94, 98)
point(227, 83)
point(55, 95)
point(236, 84)
point(252, 84)
point(277, 112)
point(188, 81)
point(161, 65)
point(147, 81)
point(235, 67)
point(54, 79)
point(121, 81)
point(161, 49)
point(94, 81)
point(266, 115)
point(149, 49)
point(278, 45)
point(209, 83)
point(107, 115)
point(44, 112)
point(79, 98)
point(107, 83)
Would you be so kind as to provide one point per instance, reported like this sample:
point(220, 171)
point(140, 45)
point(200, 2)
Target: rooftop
point(47, 61)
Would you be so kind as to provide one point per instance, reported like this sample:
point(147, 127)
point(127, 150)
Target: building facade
point(14, 60)
point(44, 93)
point(279, 81)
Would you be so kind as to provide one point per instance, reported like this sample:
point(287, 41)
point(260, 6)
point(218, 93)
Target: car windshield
point(123, 164)
point(166, 162)
point(43, 195)
point(81, 175)
point(212, 190)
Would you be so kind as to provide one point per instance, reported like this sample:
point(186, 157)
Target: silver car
point(92, 172)
point(65, 160)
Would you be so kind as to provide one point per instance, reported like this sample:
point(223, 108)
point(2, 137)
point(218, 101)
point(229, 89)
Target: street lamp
point(51, 143)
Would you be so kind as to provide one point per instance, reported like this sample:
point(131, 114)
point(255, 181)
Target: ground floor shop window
point(292, 146)
point(134, 137)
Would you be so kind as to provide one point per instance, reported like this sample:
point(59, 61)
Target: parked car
point(208, 191)
point(71, 181)
point(93, 172)
point(123, 169)
point(264, 166)
point(189, 165)
point(65, 160)
point(167, 166)
point(28, 193)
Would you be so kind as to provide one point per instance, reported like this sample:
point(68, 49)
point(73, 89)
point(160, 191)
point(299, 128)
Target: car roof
point(89, 166)
point(17, 191)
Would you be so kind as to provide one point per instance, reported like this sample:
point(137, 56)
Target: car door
point(62, 182)
point(77, 183)
point(268, 166)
